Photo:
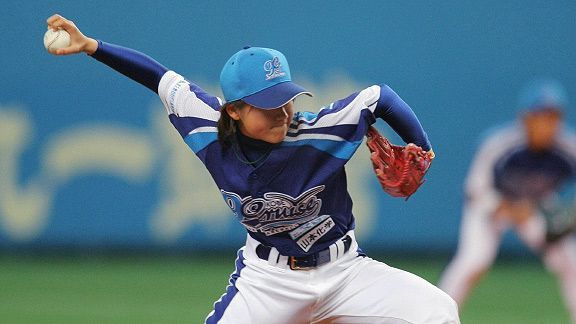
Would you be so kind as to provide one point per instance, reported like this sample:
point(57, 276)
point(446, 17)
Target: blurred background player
point(522, 178)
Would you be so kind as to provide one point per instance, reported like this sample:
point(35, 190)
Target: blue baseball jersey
point(506, 165)
point(296, 199)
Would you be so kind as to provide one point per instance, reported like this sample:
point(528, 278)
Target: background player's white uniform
point(504, 176)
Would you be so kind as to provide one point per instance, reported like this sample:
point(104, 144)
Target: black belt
point(305, 262)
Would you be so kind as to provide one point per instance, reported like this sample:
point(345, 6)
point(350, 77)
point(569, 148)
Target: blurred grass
point(515, 291)
point(132, 289)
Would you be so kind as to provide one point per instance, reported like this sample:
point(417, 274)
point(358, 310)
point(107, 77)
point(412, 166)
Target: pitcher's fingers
point(52, 18)
point(67, 50)
point(57, 21)
point(54, 21)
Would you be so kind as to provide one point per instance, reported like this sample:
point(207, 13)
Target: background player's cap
point(543, 94)
point(260, 77)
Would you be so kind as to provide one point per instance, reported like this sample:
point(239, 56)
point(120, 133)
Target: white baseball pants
point(348, 289)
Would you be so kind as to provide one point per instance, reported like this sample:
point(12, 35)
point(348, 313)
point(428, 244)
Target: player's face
point(266, 125)
point(541, 128)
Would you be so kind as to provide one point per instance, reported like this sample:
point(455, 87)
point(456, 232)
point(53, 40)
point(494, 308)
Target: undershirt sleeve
point(398, 114)
point(133, 64)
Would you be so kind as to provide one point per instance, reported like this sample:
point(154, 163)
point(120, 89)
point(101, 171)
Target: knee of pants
point(446, 301)
point(442, 309)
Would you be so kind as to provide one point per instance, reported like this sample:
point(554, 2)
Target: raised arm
point(133, 64)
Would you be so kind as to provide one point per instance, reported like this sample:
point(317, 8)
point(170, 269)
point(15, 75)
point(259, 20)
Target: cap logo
point(273, 68)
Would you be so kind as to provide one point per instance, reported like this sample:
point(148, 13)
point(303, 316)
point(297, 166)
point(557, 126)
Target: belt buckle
point(294, 266)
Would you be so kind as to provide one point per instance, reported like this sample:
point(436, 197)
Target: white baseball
point(58, 39)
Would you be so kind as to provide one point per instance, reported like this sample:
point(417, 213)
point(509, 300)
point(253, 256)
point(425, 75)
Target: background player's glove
point(400, 169)
point(560, 219)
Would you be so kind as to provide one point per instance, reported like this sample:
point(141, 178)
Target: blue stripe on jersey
point(198, 141)
point(350, 132)
point(339, 149)
point(185, 125)
point(221, 305)
point(343, 131)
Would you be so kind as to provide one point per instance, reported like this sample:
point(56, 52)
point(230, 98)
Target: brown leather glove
point(400, 169)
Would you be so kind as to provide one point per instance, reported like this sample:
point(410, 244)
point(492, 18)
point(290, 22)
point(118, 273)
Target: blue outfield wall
point(88, 158)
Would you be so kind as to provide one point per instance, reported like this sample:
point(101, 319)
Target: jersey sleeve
point(567, 144)
point(339, 128)
point(193, 112)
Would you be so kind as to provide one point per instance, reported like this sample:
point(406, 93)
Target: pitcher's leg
point(260, 293)
point(377, 293)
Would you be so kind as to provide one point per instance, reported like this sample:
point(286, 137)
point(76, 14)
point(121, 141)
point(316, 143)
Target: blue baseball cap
point(543, 94)
point(260, 77)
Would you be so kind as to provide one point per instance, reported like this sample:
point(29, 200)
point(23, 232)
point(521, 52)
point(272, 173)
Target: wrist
point(91, 46)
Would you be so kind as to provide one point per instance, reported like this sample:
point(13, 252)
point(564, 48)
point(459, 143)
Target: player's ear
point(232, 111)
